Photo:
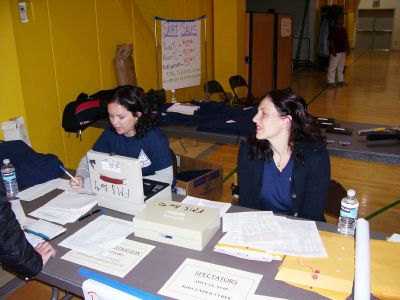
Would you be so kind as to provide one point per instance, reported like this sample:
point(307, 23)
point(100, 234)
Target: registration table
point(158, 266)
point(384, 151)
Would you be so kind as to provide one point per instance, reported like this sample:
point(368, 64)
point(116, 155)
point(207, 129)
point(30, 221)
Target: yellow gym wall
point(229, 40)
point(67, 47)
point(11, 99)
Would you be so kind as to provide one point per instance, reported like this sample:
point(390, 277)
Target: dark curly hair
point(134, 100)
point(303, 125)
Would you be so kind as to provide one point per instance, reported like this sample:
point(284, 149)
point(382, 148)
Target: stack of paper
point(183, 108)
point(262, 236)
point(65, 208)
point(41, 230)
point(99, 236)
point(43, 188)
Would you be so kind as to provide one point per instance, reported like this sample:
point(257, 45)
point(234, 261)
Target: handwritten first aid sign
point(180, 54)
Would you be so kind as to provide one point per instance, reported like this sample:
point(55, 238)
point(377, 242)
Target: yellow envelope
point(331, 276)
point(385, 269)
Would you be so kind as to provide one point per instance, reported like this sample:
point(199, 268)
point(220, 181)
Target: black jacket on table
point(309, 184)
point(16, 254)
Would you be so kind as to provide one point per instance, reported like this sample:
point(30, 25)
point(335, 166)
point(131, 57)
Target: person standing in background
point(338, 46)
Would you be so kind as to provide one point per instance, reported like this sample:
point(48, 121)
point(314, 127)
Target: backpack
point(156, 98)
point(85, 110)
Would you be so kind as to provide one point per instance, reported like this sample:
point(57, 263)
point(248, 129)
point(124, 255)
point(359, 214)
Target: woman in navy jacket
point(285, 166)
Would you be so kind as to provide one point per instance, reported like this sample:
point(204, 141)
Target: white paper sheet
point(235, 222)
point(33, 239)
point(41, 189)
point(274, 234)
point(99, 236)
point(196, 279)
point(222, 206)
point(119, 261)
point(93, 290)
point(65, 208)
point(49, 229)
point(18, 211)
point(185, 109)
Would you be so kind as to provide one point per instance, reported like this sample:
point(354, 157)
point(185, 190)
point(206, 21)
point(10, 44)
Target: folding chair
point(236, 82)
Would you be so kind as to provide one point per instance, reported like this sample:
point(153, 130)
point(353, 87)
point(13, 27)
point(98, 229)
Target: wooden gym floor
point(372, 95)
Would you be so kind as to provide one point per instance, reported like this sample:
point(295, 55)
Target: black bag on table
point(85, 110)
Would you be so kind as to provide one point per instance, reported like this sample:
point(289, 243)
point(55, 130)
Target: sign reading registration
point(181, 54)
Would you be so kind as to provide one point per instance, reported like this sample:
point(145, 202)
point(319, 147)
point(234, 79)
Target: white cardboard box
point(185, 225)
point(15, 129)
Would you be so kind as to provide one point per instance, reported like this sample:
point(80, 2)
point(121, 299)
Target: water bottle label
point(347, 212)
point(8, 176)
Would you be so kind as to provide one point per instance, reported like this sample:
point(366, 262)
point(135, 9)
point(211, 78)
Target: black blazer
point(309, 185)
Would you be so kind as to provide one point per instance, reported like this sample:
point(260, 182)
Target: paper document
point(183, 108)
point(18, 211)
point(48, 229)
point(222, 206)
point(196, 279)
point(118, 261)
point(95, 290)
point(227, 246)
point(33, 239)
point(65, 208)
point(39, 190)
point(99, 236)
point(275, 235)
point(107, 288)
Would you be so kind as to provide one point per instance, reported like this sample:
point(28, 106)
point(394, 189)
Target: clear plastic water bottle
point(348, 213)
point(9, 178)
point(173, 96)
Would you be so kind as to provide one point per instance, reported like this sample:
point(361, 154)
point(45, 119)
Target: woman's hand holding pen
point(76, 183)
point(46, 251)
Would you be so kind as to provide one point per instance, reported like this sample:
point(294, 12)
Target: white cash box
point(185, 225)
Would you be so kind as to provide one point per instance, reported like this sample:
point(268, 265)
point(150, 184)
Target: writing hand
point(46, 251)
point(76, 185)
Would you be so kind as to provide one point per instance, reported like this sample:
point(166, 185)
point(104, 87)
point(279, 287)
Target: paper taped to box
point(185, 225)
point(118, 184)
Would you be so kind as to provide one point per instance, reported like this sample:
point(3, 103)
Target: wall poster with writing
point(180, 54)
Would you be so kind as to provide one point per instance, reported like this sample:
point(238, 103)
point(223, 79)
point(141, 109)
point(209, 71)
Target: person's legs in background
point(340, 67)
point(333, 63)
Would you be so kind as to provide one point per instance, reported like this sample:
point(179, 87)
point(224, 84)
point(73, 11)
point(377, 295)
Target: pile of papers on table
point(65, 208)
point(262, 236)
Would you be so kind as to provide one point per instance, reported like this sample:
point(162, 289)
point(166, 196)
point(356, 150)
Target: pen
point(39, 234)
point(69, 174)
point(90, 213)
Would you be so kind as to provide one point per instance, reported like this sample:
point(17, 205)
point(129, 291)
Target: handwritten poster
point(180, 54)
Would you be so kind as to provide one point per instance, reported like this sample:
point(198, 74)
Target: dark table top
point(383, 151)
